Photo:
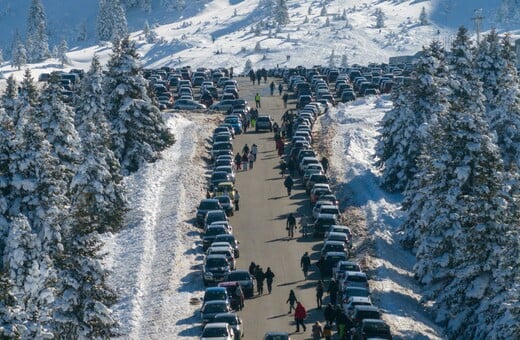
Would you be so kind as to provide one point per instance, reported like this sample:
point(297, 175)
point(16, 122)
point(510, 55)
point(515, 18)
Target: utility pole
point(477, 19)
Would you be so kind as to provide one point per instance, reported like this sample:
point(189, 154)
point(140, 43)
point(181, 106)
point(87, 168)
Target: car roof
point(359, 299)
point(210, 289)
point(216, 324)
point(329, 206)
point(365, 308)
point(215, 211)
point(335, 254)
point(351, 273)
point(332, 242)
point(216, 256)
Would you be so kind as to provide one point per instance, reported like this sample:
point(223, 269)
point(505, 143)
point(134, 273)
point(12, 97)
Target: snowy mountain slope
point(186, 36)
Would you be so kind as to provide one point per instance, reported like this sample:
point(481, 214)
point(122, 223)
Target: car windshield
point(356, 278)
point(226, 238)
point(215, 295)
point(215, 308)
point(208, 205)
point(230, 319)
point(218, 262)
point(333, 247)
point(231, 120)
point(219, 175)
point(349, 267)
point(214, 332)
point(224, 199)
point(216, 231)
point(356, 292)
point(238, 276)
point(329, 211)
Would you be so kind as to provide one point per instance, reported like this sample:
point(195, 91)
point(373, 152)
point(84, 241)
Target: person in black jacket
point(319, 294)
point(260, 277)
point(269, 276)
point(252, 268)
point(333, 291)
point(305, 264)
point(290, 225)
point(288, 183)
point(329, 313)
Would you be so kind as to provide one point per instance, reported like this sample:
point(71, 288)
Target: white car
point(354, 301)
point(326, 208)
point(217, 331)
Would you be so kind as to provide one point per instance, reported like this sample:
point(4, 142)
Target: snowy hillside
point(240, 29)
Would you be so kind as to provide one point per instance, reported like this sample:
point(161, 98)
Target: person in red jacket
point(299, 316)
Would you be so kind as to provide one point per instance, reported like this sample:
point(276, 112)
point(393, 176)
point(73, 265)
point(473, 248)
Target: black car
point(215, 269)
point(264, 123)
point(210, 234)
point(246, 280)
point(218, 177)
point(373, 328)
point(205, 206)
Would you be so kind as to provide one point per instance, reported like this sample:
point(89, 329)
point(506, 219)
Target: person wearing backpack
point(269, 276)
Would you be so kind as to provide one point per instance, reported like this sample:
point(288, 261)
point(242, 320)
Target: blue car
point(235, 122)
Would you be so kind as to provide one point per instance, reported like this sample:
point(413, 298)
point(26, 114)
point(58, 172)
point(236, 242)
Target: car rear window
point(238, 276)
point(220, 262)
point(356, 278)
point(208, 205)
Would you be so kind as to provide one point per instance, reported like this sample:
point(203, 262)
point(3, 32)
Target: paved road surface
point(260, 227)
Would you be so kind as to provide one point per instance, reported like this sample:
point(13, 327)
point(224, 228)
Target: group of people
point(261, 276)
point(258, 75)
point(248, 157)
point(272, 87)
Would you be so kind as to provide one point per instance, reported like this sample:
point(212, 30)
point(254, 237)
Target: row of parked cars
point(337, 238)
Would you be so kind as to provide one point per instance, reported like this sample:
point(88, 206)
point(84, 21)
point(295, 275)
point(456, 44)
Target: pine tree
point(248, 66)
point(258, 47)
point(29, 285)
point(149, 34)
point(489, 63)
point(99, 171)
point(344, 60)
point(62, 53)
point(423, 17)
point(82, 32)
point(281, 13)
point(19, 56)
point(8, 100)
point(37, 42)
point(467, 213)
point(111, 21)
point(332, 57)
point(380, 18)
point(503, 100)
point(139, 132)
point(57, 121)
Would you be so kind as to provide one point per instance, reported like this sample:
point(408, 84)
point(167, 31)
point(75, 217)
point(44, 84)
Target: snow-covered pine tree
point(428, 101)
point(82, 32)
point(37, 42)
point(380, 18)
point(149, 34)
point(19, 55)
point(1, 56)
point(488, 64)
point(8, 99)
point(111, 21)
point(504, 116)
point(57, 121)
point(62, 53)
point(467, 214)
point(248, 66)
point(27, 271)
point(281, 13)
point(423, 17)
point(139, 132)
point(99, 171)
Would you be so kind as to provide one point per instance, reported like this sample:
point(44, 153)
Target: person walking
point(269, 276)
point(288, 183)
point(319, 294)
point(271, 87)
point(341, 321)
point(329, 313)
point(333, 291)
point(252, 268)
point(305, 263)
point(280, 89)
point(254, 150)
point(327, 331)
point(299, 316)
point(260, 278)
point(238, 161)
point(251, 159)
point(257, 101)
point(245, 149)
point(285, 99)
point(283, 167)
point(317, 331)
point(245, 161)
point(325, 164)
point(291, 300)
point(237, 200)
point(290, 225)
point(239, 293)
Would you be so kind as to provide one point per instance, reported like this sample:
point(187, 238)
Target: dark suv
point(205, 206)
point(264, 123)
point(215, 269)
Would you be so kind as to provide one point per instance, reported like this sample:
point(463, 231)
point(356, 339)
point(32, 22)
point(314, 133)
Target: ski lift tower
point(477, 20)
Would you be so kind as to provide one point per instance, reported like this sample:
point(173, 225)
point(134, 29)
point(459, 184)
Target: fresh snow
point(154, 262)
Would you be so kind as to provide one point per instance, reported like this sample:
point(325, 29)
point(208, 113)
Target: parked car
point(354, 291)
point(223, 105)
point(188, 104)
point(264, 123)
point(372, 329)
point(322, 223)
point(340, 237)
point(245, 279)
point(353, 279)
point(230, 288)
point(365, 312)
point(204, 206)
point(229, 170)
point(333, 246)
point(325, 209)
point(234, 321)
point(214, 269)
point(315, 178)
point(276, 336)
point(330, 260)
point(229, 238)
point(343, 266)
point(220, 331)
point(236, 122)
point(211, 233)
point(218, 177)
point(227, 205)
point(222, 250)
point(215, 293)
point(221, 146)
point(214, 216)
point(354, 301)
